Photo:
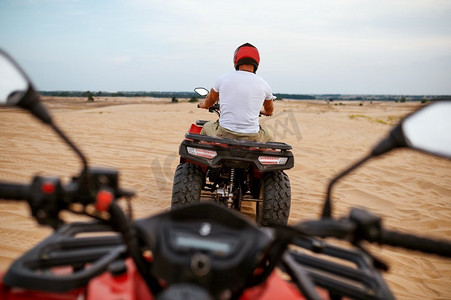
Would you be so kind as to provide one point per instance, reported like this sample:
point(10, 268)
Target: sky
point(398, 47)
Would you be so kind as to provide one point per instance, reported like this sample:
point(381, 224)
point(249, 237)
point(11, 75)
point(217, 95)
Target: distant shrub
point(89, 95)
point(352, 117)
point(193, 99)
point(389, 120)
point(381, 121)
point(174, 100)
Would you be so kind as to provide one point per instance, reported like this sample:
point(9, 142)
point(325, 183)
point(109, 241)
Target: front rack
point(343, 272)
point(67, 259)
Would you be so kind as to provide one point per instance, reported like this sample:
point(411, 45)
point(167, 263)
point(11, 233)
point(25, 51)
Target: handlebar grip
point(412, 242)
point(13, 191)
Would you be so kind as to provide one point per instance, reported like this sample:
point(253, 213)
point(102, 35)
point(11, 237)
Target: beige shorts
point(212, 128)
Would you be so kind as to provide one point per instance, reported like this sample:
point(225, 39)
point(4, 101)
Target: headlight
point(202, 152)
point(272, 160)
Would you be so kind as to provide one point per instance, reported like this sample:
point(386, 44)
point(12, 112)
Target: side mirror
point(14, 83)
point(427, 130)
point(201, 91)
point(17, 89)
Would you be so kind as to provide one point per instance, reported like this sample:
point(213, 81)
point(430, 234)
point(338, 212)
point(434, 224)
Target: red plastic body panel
point(195, 129)
point(131, 286)
point(273, 288)
point(128, 286)
point(7, 293)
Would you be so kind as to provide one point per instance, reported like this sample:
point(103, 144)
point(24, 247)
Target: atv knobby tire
point(275, 207)
point(188, 181)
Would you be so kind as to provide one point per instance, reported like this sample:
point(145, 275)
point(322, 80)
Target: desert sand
point(140, 137)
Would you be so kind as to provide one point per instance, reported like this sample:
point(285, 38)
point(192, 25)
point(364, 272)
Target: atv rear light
point(202, 152)
point(271, 160)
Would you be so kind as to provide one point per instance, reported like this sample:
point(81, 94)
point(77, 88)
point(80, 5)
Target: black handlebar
point(214, 107)
point(47, 196)
point(412, 242)
point(369, 227)
point(361, 225)
point(14, 191)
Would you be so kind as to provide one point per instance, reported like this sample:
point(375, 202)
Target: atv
point(202, 251)
point(230, 172)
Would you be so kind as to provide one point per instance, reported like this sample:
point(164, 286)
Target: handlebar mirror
point(16, 89)
point(429, 129)
point(426, 130)
point(13, 83)
point(201, 91)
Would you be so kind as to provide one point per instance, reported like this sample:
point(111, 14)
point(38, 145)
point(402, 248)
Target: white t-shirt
point(241, 96)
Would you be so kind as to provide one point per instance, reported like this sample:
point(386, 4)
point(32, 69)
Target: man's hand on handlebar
point(264, 113)
point(202, 105)
point(211, 98)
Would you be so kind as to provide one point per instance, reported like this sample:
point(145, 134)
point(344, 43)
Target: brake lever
point(377, 262)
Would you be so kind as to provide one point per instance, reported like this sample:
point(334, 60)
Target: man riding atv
point(241, 95)
point(233, 160)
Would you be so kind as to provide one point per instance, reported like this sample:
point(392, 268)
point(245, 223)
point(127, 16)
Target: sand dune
point(140, 137)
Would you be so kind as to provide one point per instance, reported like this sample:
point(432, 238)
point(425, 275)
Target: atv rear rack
point(240, 143)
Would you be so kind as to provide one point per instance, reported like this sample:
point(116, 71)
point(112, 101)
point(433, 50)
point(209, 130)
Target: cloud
point(301, 42)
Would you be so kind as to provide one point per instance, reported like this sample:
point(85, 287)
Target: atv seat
point(234, 142)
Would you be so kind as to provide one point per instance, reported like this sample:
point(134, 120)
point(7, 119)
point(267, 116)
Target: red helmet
point(246, 54)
